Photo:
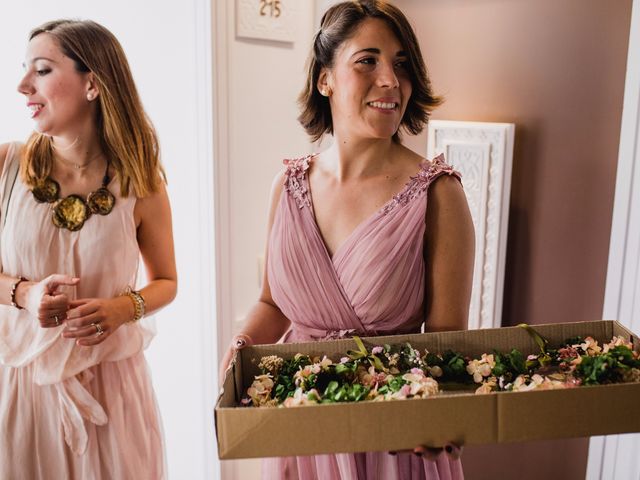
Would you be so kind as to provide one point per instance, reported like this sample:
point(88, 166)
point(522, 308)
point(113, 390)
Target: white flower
point(522, 383)
point(300, 398)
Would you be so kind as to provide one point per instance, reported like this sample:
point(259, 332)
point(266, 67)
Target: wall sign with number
point(267, 19)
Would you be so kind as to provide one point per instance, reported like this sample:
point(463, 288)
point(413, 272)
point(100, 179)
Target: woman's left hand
point(92, 320)
point(451, 450)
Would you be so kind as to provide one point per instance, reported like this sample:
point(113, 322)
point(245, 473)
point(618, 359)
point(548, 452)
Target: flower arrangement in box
point(402, 372)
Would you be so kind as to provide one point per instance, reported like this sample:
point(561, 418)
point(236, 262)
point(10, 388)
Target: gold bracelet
point(14, 289)
point(139, 305)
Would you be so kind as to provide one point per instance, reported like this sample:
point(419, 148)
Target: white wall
point(264, 80)
point(257, 86)
point(168, 48)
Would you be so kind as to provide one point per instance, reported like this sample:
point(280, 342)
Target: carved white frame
point(483, 153)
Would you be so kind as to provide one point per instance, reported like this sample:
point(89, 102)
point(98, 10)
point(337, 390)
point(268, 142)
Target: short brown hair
point(127, 136)
point(338, 24)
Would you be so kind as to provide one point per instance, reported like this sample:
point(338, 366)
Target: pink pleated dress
point(373, 285)
point(70, 412)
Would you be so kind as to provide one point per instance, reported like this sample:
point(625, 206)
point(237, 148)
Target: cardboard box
point(464, 418)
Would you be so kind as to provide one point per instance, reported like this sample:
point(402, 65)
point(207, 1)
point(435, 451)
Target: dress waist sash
point(77, 404)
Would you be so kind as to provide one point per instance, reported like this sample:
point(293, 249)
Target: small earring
point(90, 97)
point(325, 92)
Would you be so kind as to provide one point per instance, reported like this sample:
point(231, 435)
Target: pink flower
point(377, 350)
point(590, 346)
point(420, 386)
point(260, 389)
point(616, 342)
point(405, 390)
point(371, 378)
point(344, 359)
point(487, 387)
point(481, 368)
point(568, 352)
point(301, 376)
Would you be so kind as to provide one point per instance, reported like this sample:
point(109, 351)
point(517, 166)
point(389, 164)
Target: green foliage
point(509, 365)
point(336, 392)
point(607, 367)
point(284, 382)
point(454, 366)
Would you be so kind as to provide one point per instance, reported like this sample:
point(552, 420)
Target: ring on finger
point(99, 329)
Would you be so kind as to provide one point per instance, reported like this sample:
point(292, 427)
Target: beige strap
point(12, 169)
point(12, 173)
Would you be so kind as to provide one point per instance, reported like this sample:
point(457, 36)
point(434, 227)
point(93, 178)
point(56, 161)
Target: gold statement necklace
point(72, 211)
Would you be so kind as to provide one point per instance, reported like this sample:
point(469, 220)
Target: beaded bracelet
point(14, 288)
point(241, 340)
point(138, 304)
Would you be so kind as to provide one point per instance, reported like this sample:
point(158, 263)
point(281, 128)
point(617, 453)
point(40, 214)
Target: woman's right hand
point(238, 342)
point(44, 301)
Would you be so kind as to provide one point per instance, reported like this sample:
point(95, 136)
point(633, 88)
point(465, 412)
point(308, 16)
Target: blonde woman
point(87, 201)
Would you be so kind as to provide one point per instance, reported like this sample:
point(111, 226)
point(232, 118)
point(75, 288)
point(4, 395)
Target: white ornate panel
point(483, 154)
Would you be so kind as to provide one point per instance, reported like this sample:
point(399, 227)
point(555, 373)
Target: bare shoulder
point(446, 187)
point(448, 209)
point(447, 202)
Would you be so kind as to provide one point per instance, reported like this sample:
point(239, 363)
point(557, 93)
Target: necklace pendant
point(101, 201)
point(47, 192)
point(72, 211)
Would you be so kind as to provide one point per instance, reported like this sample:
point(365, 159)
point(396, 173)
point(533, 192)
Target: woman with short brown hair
point(366, 238)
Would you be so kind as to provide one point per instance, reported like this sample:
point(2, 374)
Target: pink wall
point(556, 70)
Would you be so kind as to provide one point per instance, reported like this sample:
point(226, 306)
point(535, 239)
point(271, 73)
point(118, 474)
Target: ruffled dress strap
point(418, 184)
point(295, 182)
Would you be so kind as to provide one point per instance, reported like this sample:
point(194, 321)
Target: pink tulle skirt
point(362, 466)
point(101, 424)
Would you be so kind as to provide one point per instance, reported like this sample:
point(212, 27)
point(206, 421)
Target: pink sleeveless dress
point(70, 412)
point(373, 285)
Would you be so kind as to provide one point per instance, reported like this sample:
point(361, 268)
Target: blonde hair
point(126, 134)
